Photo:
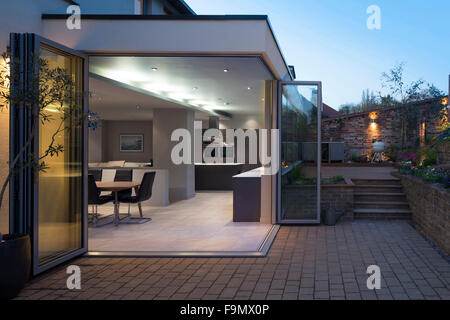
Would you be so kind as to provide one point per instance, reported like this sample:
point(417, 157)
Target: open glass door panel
point(299, 179)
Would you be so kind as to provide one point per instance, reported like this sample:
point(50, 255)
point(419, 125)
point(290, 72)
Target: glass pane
point(60, 185)
point(299, 152)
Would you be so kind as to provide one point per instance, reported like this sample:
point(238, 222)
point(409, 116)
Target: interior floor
point(203, 223)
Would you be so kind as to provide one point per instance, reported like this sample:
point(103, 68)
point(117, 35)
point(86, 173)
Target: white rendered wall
point(181, 177)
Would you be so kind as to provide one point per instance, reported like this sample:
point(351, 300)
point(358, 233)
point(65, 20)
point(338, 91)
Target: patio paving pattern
point(305, 262)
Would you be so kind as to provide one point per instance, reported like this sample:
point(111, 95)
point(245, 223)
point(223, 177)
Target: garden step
point(379, 211)
point(379, 196)
point(375, 213)
point(381, 204)
point(384, 216)
point(383, 188)
point(393, 181)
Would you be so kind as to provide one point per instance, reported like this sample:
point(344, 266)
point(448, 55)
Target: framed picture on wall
point(131, 143)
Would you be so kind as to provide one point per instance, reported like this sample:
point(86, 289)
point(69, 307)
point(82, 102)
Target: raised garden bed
point(337, 194)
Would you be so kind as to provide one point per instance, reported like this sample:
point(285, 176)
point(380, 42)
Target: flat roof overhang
point(171, 35)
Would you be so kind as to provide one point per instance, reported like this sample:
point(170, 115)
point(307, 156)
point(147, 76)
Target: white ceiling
point(120, 83)
point(115, 101)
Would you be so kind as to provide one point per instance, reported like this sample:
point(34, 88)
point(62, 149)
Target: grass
point(325, 181)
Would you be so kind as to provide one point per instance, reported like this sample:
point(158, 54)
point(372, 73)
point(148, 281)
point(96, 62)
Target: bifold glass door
point(299, 121)
point(60, 196)
point(58, 189)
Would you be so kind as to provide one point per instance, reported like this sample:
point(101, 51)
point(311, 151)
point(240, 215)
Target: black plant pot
point(331, 216)
point(15, 264)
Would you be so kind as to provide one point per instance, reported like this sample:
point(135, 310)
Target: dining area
point(121, 190)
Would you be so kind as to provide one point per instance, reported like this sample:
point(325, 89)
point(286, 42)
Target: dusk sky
point(328, 40)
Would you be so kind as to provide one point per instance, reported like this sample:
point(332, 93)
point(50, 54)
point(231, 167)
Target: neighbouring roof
point(329, 112)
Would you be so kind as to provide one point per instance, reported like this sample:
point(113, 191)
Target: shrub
point(406, 156)
point(355, 158)
point(445, 135)
point(296, 173)
point(337, 179)
point(435, 175)
point(427, 156)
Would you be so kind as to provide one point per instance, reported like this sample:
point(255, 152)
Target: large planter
point(15, 264)
point(300, 200)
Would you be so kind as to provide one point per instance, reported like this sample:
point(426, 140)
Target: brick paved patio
point(308, 262)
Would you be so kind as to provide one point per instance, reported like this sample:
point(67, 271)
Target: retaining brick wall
point(430, 205)
point(300, 201)
point(339, 197)
point(357, 131)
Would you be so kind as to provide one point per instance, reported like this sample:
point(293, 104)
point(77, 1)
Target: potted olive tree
point(52, 88)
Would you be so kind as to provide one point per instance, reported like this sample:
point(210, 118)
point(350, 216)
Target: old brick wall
point(443, 152)
point(358, 130)
point(430, 205)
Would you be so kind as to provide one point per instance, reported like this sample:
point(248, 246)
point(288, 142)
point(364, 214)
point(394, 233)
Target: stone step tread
point(379, 194)
point(382, 211)
point(370, 179)
point(391, 182)
point(379, 186)
point(383, 217)
point(393, 203)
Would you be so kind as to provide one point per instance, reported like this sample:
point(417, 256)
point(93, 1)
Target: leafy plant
point(427, 156)
point(296, 173)
point(445, 135)
point(51, 89)
point(337, 179)
point(406, 156)
point(355, 158)
point(429, 174)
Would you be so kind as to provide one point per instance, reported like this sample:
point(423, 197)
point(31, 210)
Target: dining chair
point(143, 194)
point(94, 197)
point(124, 175)
point(97, 173)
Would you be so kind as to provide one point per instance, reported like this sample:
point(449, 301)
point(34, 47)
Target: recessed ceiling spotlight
point(195, 88)
point(154, 69)
point(226, 70)
point(249, 88)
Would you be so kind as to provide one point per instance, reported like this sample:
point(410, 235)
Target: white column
point(181, 177)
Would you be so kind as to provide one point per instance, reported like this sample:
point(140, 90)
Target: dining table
point(115, 187)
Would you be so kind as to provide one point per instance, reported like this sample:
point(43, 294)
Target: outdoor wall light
point(225, 70)
point(373, 116)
